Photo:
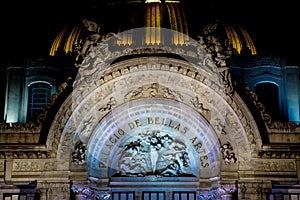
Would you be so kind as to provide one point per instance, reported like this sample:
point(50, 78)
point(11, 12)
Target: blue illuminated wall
point(18, 81)
point(291, 83)
point(258, 72)
point(13, 95)
point(255, 72)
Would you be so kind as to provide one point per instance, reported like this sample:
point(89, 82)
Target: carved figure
point(172, 170)
point(93, 52)
point(154, 153)
point(78, 155)
point(228, 155)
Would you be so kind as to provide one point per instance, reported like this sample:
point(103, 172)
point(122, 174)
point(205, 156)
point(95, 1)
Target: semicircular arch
point(199, 97)
point(197, 88)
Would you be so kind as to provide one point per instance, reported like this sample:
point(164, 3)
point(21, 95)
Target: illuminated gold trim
point(68, 47)
point(172, 1)
point(57, 42)
point(249, 42)
point(152, 34)
point(148, 24)
point(233, 37)
point(173, 23)
point(152, 1)
point(157, 24)
point(178, 23)
point(184, 24)
point(236, 40)
point(153, 24)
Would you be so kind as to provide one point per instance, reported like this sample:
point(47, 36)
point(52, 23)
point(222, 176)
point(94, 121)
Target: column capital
point(81, 188)
point(227, 188)
point(218, 191)
point(86, 190)
point(103, 195)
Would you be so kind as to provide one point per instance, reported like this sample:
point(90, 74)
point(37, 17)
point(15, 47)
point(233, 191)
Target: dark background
point(29, 27)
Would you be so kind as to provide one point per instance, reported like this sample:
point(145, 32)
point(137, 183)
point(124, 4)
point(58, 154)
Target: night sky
point(29, 28)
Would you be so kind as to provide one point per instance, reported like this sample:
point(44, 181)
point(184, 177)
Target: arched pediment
point(153, 85)
point(148, 136)
point(187, 100)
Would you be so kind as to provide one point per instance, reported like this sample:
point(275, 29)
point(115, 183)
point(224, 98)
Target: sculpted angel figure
point(93, 52)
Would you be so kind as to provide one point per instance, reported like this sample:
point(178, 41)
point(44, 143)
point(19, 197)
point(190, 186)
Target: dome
point(129, 15)
point(236, 35)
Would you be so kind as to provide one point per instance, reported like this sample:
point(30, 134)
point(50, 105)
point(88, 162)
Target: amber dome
point(236, 34)
point(119, 16)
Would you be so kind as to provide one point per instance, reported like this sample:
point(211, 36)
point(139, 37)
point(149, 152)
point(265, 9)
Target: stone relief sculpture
point(221, 49)
point(109, 105)
point(87, 126)
point(154, 90)
point(198, 105)
point(154, 153)
point(228, 154)
point(83, 48)
point(93, 52)
point(79, 154)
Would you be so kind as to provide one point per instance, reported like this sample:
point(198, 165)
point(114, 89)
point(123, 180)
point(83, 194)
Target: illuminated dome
point(129, 15)
point(123, 16)
point(235, 34)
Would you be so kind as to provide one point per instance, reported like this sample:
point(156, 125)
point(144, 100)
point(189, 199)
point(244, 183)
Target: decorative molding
point(14, 128)
point(279, 154)
point(33, 165)
point(53, 187)
point(27, 154)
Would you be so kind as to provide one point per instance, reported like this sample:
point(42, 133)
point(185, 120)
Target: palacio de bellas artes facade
point(149, 110)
